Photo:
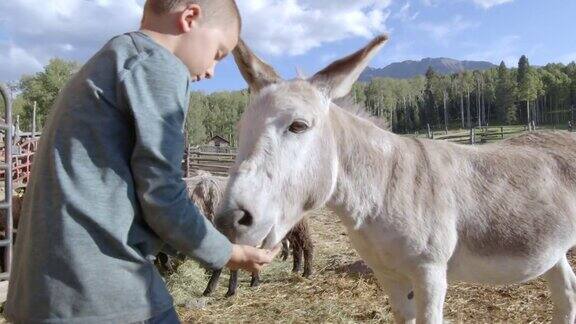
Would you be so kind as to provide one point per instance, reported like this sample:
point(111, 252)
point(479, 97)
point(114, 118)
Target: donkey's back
point(518, 206)
point(559, 147)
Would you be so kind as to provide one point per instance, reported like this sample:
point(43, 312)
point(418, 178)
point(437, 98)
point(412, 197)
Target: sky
point(305, 35)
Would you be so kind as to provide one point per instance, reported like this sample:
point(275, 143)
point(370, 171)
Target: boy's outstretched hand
point(251, 259)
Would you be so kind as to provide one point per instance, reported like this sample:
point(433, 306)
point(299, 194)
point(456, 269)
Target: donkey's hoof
point(255, 283)
point(207, 292)
point(296, 269)
point(307, 273)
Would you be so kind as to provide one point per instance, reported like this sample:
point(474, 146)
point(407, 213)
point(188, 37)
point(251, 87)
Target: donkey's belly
point(390, 255)
point(388, 260)
point(381, 255)
point(499, 270)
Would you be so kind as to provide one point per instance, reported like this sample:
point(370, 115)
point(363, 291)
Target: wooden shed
point(218, 141)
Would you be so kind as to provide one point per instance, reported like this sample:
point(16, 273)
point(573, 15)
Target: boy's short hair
point(215, 11)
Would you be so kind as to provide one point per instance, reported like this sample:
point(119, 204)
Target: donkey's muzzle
point(232, 222)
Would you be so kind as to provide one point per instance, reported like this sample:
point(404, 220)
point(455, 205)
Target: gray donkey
point(421, 213)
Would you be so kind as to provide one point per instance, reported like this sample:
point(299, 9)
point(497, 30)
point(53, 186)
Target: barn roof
point(218, 137)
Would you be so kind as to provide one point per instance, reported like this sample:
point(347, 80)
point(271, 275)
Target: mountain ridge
point(411, 68)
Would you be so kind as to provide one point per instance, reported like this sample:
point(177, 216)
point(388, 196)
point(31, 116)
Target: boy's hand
point(250, 259)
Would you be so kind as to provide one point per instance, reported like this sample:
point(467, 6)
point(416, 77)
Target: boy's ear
point(190, 17)
point(257, 73)
point(337, 79)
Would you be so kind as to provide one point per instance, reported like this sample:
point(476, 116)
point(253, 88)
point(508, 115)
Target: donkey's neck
point(366, 154)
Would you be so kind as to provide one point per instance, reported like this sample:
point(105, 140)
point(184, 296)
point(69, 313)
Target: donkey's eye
point(298, 127)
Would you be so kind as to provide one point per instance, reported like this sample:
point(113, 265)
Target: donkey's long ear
point(256, 72)
point(338, 78)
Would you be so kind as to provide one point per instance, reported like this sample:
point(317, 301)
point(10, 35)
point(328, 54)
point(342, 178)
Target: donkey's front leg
point(213, 282)
point(562, 283)
point(430, 286)
point(401, 299)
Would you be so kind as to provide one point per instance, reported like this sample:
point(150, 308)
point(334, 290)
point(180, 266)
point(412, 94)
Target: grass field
point(463, 135)
point(338, 294)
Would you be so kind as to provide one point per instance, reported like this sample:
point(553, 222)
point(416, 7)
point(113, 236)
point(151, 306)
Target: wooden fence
point(215, 149)
point(215, 163)
point(478, 135)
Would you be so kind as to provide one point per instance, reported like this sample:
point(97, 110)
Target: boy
point(107, 186)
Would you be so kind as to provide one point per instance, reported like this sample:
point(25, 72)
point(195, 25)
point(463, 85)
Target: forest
point(543, 95)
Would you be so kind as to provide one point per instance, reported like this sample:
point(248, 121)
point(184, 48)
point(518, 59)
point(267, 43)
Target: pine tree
point(523, 68)
point(430, 107)
point(505, 96)
point(526, 86)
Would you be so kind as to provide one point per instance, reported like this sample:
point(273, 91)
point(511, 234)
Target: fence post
point(502, 132)
point(569, 126)
point(187, 160)
point(34, 120)
point(17, 123)
point(6, 126)
point(430, 134)
point(571, 114)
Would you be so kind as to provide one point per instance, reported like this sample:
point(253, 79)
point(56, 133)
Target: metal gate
point(6, 166)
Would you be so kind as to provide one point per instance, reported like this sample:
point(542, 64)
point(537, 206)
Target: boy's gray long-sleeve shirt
point(106, 190)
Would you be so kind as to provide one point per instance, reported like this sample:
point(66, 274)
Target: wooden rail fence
point(215, 163)
point(478, 135)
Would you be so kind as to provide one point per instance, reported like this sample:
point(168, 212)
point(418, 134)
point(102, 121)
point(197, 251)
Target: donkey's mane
point(349, 105)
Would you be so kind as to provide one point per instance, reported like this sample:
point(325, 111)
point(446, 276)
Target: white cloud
point(328, 58)
point(428, 3)
point(487, 4)
point(444, 30)
point(67, 47)
point(504, 49)
point(399, 51)
point(15, 61)
point(294, 27)
point(405, 14)
point(75, 29)
point(71, 29)
point(568, 58)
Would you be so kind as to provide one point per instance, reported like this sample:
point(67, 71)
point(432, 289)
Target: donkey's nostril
point(246, 219)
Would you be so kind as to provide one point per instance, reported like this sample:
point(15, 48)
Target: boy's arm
point(157, 100)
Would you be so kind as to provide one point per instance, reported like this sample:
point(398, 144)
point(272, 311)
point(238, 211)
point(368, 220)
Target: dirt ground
point(339, 292)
